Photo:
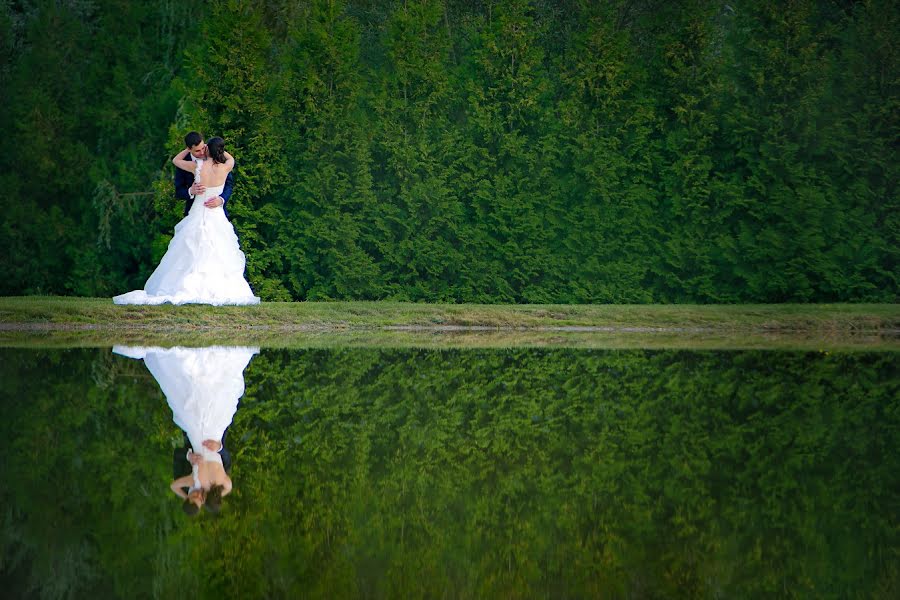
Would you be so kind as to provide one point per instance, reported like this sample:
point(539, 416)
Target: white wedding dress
point(203, 264)
point(202, 386)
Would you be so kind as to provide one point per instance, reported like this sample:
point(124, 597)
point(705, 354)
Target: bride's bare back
point(213, 174)
point(211, 472)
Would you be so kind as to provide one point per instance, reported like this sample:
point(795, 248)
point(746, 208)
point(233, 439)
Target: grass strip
point(54, 311)
point(66, 321)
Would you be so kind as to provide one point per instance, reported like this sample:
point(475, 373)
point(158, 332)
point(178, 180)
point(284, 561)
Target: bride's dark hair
point(215, 147)
point(213, 502)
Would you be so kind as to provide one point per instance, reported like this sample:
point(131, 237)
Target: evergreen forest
point(514, 151)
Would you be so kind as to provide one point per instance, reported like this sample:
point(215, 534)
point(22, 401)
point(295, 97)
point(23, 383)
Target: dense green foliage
point(447, 150)
point(465, 474)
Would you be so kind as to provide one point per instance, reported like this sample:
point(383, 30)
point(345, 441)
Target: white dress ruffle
point(202, 386)
point(203, 265)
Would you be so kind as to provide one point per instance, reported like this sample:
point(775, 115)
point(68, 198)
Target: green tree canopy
point(440, 150)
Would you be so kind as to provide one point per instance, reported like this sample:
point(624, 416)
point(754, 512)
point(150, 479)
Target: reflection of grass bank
point(91, 321)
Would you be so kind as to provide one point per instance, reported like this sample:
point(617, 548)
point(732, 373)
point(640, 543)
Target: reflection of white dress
point(202, 386)
point(203, 265)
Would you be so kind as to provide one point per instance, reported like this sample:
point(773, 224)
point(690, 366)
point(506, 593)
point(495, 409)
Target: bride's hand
point(212, 445)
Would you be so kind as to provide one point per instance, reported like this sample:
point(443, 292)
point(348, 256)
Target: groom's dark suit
point(183, 182)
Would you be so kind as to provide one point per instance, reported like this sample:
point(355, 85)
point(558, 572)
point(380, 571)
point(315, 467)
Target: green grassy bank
point(90, 321)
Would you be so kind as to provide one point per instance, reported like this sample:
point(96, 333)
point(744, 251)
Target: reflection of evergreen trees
point(440, 150)
point(477, 473)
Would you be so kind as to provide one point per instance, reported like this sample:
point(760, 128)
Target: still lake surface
point(455, 473)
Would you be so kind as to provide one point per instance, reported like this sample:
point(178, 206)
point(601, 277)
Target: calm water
point(457, 474)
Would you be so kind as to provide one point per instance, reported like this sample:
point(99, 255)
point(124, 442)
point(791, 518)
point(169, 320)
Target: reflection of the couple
point(203, 387)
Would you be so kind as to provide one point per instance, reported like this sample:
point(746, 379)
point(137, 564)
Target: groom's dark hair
point(189, 508)
point(192, 139)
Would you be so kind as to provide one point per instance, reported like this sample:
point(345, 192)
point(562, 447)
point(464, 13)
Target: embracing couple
point(204, 263)
point(208, 481)
point(203, 387)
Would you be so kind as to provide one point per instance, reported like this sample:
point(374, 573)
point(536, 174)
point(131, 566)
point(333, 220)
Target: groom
point(187, 189)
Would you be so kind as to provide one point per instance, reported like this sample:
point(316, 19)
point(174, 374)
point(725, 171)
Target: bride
point(203, 387)
point(204, 263)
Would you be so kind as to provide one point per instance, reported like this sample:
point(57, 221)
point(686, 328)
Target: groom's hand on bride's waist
point(197, 189)
point(214, 202)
